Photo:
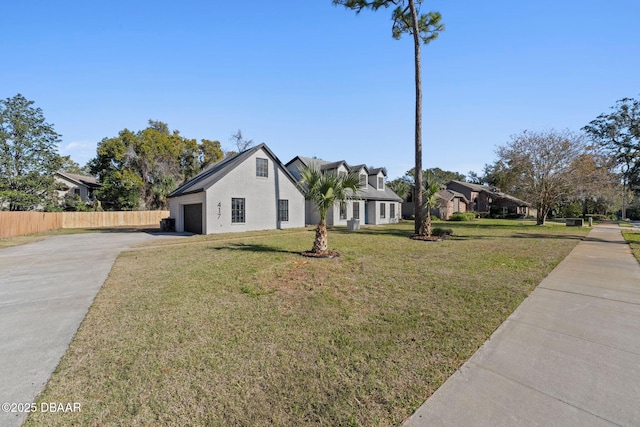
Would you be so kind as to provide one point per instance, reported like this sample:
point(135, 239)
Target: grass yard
point(240, 330)
point(633, 238)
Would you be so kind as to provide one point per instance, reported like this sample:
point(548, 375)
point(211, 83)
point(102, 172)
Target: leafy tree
point(73, 202)
point(424, 28)
point(28, 156)
point(138, 170)
point(544, 165)
point(435, 174)
point(159, 126)
point(597, 183)
point(618, 134)
point(500, 175)
point(70, 166)
point(210, 152)
point(325, 189)
point(473, 178)
point(441, 176)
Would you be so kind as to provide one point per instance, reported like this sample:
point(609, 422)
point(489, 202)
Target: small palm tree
point(430, 199)
point(325, 189)
point(401, 187)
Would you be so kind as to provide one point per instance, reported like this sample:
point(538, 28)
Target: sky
point(312, 79)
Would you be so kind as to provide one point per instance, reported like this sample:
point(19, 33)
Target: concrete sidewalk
point(568, 356)
point(46, 288)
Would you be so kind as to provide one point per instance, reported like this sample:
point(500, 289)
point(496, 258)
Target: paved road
point(568, 356)
point(46, 288)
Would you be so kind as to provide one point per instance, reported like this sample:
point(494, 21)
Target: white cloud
point(79, 151)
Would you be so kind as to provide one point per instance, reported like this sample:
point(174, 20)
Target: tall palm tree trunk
point(417, 201)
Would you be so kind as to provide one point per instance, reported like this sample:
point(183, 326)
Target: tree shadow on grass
point(374, 231)
point(596, 239)
point(547, 236)
point(254, 247)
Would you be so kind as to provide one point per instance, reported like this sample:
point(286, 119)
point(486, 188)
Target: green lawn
point(242, 330)
point(633, 238)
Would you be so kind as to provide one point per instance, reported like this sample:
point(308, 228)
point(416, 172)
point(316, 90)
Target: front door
point(366, 213)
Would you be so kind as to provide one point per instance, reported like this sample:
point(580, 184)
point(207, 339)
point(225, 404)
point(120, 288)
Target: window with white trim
point(363, 180)
point(262, 167)
point(383, 212)
point(380, 183)
point(343, 210)
point(392, 210)
point(237, 210)
point(356, 210)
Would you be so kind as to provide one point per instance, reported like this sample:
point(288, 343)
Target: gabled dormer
point(340, 168)
point(363, 174)
point(377, 177)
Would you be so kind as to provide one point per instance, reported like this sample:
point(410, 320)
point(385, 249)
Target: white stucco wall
point(176, 210)
point(333, 214)
point(261, 196)
point(374, 209)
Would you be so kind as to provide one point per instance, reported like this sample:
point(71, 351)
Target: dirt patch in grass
point(324, 254)
point(247, 332)
point(426, 238)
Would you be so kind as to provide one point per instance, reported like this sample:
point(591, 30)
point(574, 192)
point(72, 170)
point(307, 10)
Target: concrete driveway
point(46, 288)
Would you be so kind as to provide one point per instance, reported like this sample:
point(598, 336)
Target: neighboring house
point(490, 199)
point(374, 203)
point(69, 184)
point(249, 191)
point(450, 202)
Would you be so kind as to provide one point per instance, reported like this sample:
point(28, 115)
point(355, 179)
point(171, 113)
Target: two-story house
point(249, 191)
point(70, 184)
point(374, 203)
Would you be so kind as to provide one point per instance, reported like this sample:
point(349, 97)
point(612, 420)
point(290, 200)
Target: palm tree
point(401, 187)
point(429, 199)
point(325, 189)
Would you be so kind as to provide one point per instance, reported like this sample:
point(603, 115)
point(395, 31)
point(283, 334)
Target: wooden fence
point(20, 223)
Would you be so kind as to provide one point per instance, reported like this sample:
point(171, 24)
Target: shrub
point(572, 210)
point(441, 232)
point(632, 213)
point(462, 216)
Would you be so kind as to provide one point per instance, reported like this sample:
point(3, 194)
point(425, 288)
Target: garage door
point(193, 218)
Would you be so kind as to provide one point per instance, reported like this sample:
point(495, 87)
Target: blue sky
point(312, 79)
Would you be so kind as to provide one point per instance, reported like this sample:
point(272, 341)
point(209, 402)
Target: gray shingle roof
point(375, 171)
point(492, 191)
point(372, 193)
point(89, 181)
point(369, 192)
point(448, 195)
